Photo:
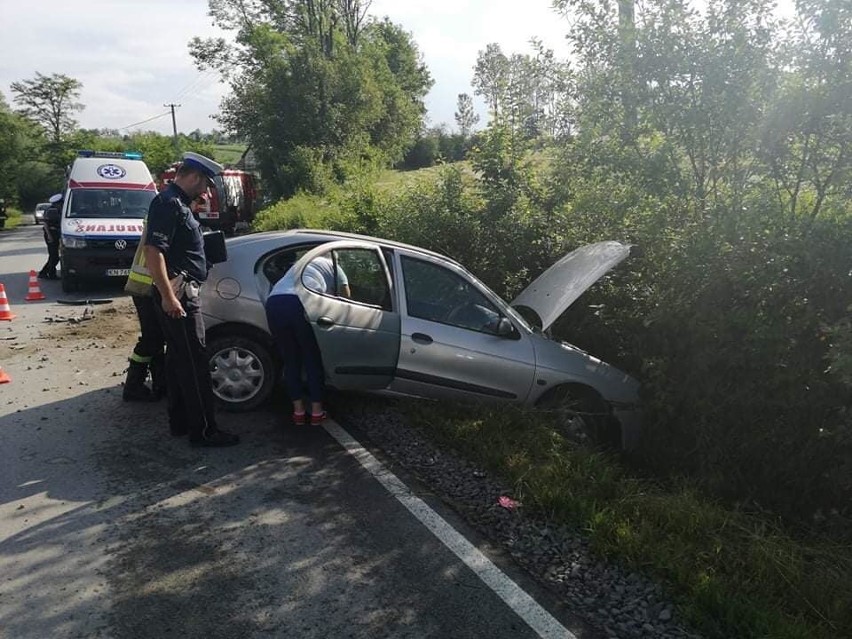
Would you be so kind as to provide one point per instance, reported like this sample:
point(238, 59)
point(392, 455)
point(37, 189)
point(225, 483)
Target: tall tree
point(491, 77)
point(317, 88)
point(466, 115)
point(807, 138)
point(50, 101)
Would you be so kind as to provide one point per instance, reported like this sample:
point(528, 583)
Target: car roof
point(330, 236)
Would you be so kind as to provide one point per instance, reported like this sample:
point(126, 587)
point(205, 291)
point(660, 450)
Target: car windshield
point(43, 206)
point(109, 203)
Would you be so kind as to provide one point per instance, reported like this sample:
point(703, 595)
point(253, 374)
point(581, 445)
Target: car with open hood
point(416, 323)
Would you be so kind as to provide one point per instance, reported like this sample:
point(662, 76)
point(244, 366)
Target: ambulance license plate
point(117, 272)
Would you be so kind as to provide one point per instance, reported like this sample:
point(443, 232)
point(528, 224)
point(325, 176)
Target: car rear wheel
point(580, 414)
point(242, 371)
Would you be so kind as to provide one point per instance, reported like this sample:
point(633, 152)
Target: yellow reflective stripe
point(142, 278)
point(140, 359)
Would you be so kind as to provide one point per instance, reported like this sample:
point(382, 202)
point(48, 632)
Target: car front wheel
point(580, 414)
point(242, 372)
point(70, 283)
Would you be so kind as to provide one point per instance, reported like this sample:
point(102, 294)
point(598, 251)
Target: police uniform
point(174, 231)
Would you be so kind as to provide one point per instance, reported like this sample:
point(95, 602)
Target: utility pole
point(174, 124)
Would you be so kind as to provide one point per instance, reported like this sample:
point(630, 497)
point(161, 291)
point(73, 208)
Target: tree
point(317, 89)
point(807, 138)
point(50, 101)
point(491, 77)
point(466, 116)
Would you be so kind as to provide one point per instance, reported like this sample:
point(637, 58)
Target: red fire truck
point(230, 206)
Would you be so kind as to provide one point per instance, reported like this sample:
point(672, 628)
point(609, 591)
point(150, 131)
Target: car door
point(355, 316)
point(450, 346)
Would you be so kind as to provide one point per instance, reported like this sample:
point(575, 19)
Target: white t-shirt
point(318, 276)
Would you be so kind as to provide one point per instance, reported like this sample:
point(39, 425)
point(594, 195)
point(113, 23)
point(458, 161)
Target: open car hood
point(558, 287)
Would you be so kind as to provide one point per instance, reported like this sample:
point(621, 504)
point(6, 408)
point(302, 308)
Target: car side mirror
point(505, 328)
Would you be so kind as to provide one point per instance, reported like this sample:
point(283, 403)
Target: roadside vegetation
point(719, 143)
point(13, 219)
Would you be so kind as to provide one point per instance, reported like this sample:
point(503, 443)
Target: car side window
point(437, 294)
point(275, 266)
point(353, 273)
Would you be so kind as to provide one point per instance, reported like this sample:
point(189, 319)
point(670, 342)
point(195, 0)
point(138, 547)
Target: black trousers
point(52, 257)
point(191, 403)
point(152, 340)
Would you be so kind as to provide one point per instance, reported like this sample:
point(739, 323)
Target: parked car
point(38, 213)
point(416, 323)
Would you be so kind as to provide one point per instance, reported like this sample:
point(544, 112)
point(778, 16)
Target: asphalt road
point(110, 528)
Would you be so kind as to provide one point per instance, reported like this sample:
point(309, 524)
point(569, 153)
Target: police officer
point(149, 352)
point(52, 222)
point(174, 254)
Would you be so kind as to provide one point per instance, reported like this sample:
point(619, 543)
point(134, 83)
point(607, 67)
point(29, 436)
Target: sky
point(132, 56)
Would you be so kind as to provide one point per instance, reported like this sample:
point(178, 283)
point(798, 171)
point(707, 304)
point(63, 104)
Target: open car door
point(349, 299)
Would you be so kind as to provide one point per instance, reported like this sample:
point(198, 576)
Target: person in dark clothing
point(149, 352)
point(148, 355)
point(295, 338)
point(52, 222)
point(174, 255)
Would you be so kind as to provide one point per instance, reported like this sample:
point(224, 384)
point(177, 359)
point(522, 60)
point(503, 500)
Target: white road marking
point(541, 621)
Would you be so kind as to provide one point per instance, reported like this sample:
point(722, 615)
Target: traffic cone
point(34, 294)
point(4, 378)
point(5, 310)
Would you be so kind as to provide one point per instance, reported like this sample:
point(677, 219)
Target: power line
point(130, 126)
point(202, 75)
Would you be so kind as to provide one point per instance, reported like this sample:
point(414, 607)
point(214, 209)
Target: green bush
point(732, 318)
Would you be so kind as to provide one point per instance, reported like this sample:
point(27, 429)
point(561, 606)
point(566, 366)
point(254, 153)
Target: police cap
point(205, 165)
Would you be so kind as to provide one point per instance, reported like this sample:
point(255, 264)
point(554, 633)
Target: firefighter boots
point(134, 386)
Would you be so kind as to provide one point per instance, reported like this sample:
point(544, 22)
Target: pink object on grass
point(508, 503)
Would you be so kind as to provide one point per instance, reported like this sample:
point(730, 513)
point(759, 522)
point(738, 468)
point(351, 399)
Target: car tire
point(242, 371)
point(582, 415)
point(70, 284)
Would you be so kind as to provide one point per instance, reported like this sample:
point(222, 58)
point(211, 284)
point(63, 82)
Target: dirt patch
point(108, 326)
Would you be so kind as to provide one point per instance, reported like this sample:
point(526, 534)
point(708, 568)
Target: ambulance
point(105, 204)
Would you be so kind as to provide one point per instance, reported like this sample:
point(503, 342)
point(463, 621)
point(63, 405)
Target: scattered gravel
point(621, 603)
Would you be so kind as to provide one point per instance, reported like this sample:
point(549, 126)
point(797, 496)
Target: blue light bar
point(127, 155)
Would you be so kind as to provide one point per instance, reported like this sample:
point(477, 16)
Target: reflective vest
point(139, 282)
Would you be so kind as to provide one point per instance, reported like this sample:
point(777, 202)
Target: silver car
point(415, 323)
point(38, 213)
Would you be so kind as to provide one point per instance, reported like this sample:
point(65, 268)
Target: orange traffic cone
point(4, 378)
point(34, 294)
point(5, 310)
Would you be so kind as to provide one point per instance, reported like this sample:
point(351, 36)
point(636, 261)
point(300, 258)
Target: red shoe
point(318, 418)
point(299, 419)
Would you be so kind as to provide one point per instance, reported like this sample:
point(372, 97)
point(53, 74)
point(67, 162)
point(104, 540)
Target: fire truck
point(230, 207)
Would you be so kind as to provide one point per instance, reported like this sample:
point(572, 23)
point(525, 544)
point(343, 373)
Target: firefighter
point(149, 352)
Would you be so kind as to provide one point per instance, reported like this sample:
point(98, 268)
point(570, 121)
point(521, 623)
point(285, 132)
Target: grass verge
point(228, 153)
point(14, 219)
point(733, 574)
